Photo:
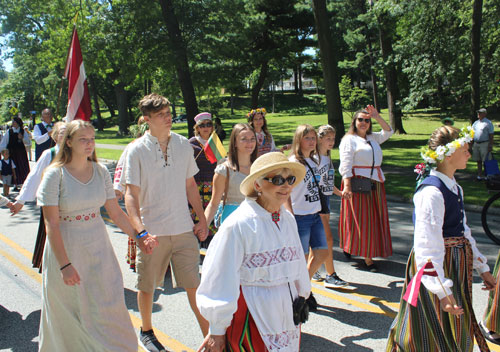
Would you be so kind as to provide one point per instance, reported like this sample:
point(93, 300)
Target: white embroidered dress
point(250, 251)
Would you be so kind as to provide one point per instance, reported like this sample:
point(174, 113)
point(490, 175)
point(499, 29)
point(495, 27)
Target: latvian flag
point(78, 91)
point(214, 150)
point(411, 294)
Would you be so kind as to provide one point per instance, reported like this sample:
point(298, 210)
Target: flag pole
point(442, 286)
point(66, 66)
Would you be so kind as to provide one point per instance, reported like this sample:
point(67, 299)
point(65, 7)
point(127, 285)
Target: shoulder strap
point(52, 153)
point(373, 158)
point(313, 176)
point(226, 186)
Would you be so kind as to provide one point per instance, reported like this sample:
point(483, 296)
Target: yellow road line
point(166, 340)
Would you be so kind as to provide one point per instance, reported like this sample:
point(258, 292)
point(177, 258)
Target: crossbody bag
point(364, 185)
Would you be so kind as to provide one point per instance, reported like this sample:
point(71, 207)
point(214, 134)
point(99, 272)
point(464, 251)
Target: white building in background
point(289, 84)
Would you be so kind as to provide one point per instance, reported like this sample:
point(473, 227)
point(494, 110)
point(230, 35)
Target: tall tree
point(477, 14)
point(329, 62)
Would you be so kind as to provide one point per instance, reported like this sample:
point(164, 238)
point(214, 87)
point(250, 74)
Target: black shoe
point(311, 302)
point(149, 342)
point(372, 267)
point(347, 255)
point(15, 189)
point(489, 335)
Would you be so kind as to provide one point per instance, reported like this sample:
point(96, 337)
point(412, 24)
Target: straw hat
point(267, 163)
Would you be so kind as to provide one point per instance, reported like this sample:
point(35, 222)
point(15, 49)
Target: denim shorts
point(311, 232)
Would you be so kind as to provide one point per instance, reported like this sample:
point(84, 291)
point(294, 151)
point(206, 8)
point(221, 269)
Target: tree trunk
point(372, 72)
point(259, 84)
point(395, 114)
point(122, 103)
point(477, 17)
point(232, 104)
point(301, 92)
point(97, 109)
point(181, 62)
point(329, 59)
point(295, 80)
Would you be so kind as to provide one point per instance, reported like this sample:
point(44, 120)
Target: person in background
point(8, 171)
point(443, 318)
point(42, 132)
point(254, 268)
point(242, 153)
point(15, 140)
point(326, 140)
point(219, 129)
point(203, 128)
point(265, 141)
point(30, 187)
point(364, 220)
point(448, 121)
point(27, 143)
point(83, 301)
point(483, 141)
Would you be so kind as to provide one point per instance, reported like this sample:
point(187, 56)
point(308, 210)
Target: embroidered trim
point(268, 258)
point(275, 342)
point(80, 217)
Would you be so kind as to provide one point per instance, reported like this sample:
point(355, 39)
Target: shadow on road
point(16, 333)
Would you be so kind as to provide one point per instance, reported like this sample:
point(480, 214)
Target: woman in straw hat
point(254, 268)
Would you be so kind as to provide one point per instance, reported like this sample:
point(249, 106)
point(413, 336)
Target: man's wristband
point(141, 234)
point(64, 266)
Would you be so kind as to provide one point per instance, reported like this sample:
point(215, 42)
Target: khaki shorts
point(480, 151)
point(181, 251)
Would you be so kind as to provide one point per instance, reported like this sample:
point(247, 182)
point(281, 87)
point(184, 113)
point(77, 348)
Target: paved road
point(355, 319)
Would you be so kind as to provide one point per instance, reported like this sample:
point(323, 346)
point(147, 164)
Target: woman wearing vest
point(265, 141)
point(440, 316)
point(364, 220)
point(30, 186)
point(15, 140)
point(203, 128)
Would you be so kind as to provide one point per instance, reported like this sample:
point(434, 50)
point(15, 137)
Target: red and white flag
point(411, 294)
point(78, 91)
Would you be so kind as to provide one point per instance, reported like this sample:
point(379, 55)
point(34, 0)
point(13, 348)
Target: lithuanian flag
point(214, 150)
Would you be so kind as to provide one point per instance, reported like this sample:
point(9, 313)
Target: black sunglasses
point(360, 119)
point(203, 125)
point(279, 180)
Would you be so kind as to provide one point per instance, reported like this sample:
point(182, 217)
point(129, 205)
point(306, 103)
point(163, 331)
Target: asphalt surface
point(353, 319)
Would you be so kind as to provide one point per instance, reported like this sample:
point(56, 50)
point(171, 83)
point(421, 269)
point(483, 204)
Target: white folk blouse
point(267, 262)
point(428, 239)
point(355, 152)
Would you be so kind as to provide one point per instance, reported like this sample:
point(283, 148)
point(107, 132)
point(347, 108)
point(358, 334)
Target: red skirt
point(371, 213)
point(242, 335)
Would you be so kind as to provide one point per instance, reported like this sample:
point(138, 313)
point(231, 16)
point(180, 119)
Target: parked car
point(180, 118)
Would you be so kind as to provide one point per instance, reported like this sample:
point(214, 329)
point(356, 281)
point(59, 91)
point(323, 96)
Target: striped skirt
point(492, 314)
point(426, 327)
point(370, 211)
point(242, 335)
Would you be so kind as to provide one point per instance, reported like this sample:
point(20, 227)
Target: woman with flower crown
point(440, 315)
point(265, 141)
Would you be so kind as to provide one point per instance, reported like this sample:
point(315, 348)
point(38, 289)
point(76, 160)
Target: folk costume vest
point(40, 148)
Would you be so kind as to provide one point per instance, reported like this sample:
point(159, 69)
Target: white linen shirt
point(37, 134)
point(163, 198)
point(30, 186)
point(268, 263)
point(355, 151)
point(428, 242)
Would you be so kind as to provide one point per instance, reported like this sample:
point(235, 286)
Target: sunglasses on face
point(203, 125)
point(279, 180)
point(360, 119)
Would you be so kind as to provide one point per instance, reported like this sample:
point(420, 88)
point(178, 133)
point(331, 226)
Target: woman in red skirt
point(364, 221)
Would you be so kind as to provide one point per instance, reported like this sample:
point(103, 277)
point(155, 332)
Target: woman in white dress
point(83, 304)
point(255, 268)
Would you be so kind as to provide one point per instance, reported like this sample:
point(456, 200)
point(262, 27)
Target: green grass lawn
point(401, 152)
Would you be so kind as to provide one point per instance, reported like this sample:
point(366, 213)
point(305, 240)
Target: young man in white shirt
point(159, 174)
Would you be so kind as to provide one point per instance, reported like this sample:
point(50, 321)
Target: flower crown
point(257, 111)
point(433, 156)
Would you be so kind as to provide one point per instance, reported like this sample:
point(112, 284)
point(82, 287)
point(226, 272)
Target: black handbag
point(325, 207)
point(364, 185)
point(300, 309)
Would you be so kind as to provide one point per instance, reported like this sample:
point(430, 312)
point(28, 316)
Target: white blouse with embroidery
point(267, 262)
point(428, 239)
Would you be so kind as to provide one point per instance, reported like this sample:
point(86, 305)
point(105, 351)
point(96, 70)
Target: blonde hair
point(323, 131)
point(442, 136)
point(56, 129)
point(64, 155)
point(300, 133)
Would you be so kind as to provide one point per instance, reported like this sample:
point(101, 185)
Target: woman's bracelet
point(141, 234)
point(65, 266)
